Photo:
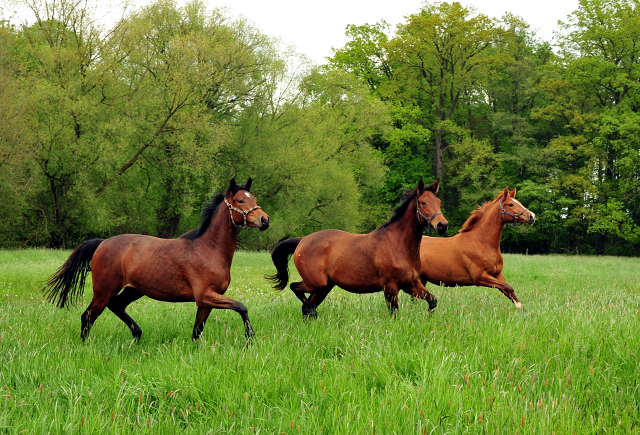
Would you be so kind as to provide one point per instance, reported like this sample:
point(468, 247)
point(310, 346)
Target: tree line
point(129, 128)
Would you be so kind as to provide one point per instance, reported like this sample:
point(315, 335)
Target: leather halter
point(513, 224)
point(427, 220)
point(244, 214)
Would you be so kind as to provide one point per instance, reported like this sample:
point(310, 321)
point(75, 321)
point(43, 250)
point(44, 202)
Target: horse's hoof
point(518, 306)
point(137, 335)
point(309, 314)
point(433, 304)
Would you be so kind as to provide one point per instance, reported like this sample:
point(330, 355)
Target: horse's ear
point(232, 184)
point(513, 193)
point(435, 186)
point(505, 194)
point(248, 185)
point(420, 187)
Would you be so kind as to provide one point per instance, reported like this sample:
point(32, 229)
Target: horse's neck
point(407, 230)
point(221, 235)
point(489, 229)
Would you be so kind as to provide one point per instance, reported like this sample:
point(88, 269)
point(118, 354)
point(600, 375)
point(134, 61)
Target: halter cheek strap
point(426, 220)
point(244, 214)
point(514, 224)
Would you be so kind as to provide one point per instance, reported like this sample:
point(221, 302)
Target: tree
point(442, 52)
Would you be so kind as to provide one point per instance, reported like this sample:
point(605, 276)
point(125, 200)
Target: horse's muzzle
point(532, 218)
point(442, 228)
point(264, 223)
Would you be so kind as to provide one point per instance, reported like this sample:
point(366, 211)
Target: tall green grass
point(569, 364)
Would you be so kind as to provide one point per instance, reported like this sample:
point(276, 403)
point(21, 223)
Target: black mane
point(407, 196)
point(208, 210)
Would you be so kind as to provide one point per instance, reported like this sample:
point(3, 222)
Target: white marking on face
point(247, 195)
point(533, 215)
point(518, 202)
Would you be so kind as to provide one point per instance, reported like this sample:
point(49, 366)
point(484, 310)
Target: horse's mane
point(208, 210)
point(398, 212)
point(475, 217)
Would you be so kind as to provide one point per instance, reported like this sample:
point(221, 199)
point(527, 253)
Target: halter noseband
point(427, 220)
point(244, 214)
point(513, 224)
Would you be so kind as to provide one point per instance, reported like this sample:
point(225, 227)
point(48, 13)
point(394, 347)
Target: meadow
point(568, 364)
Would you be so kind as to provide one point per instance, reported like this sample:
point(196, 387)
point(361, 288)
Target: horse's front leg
point(391, 297)
point(209, 300)
point(419, 291)
point(500, 283)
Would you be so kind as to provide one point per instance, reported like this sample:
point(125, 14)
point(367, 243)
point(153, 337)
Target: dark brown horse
point(387, 259)
point(192, 268)
point(472, 257)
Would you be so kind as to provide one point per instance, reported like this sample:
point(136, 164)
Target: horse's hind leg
point(119, 304)
point(307, 309)
point(103, 292)
point(201, 318)
point(320, 295)
point(93, 311)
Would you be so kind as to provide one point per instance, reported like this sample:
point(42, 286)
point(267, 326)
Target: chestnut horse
point(386, 259)
point(192, 268)
point(472, 257)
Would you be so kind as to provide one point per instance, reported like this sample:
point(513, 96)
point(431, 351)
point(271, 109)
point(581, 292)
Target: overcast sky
point(314, 28)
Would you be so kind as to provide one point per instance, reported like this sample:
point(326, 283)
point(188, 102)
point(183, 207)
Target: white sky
point(314, 28)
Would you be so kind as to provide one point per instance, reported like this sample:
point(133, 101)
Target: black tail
point(280, 255)
point(67, 284)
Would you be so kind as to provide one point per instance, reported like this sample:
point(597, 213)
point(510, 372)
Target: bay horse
point(387, 259)
point(472, 257)
point(192, 268)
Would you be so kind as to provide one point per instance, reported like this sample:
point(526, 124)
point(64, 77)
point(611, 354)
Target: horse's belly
point(166, 290)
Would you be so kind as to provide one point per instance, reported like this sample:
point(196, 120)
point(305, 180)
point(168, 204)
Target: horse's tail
point(67, 284)
point(280, 255)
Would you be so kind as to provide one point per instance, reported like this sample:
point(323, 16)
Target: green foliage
point(130, 129)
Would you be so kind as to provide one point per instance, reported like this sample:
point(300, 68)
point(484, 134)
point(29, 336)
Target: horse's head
point(243, 207)
point(428, 207)
point(513, 212)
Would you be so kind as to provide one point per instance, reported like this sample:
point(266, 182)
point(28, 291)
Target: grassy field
point(569, 364)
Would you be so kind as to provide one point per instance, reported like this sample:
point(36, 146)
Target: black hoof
point(433, 304)
point(83, 333)
point(137, 335)
point(310, 313)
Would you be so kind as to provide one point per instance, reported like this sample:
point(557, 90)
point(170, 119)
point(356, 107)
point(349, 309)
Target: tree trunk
point(438, 161)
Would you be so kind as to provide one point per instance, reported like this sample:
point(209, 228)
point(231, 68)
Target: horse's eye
point(423, 203)
point(240, 201)
point(510, 205)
